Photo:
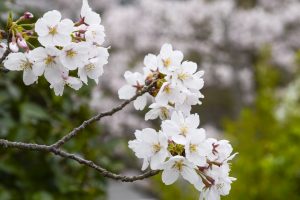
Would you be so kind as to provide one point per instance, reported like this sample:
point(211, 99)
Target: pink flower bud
point(13, 47)
point(22, 43)
point(28, 15)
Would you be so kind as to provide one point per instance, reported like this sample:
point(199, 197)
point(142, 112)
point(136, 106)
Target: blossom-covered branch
point(80, 160)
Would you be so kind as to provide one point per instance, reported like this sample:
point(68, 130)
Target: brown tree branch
point(75, 131)
point(50, 149)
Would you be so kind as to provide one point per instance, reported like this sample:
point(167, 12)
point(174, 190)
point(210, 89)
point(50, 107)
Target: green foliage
point(267, 166)
point(35, 114)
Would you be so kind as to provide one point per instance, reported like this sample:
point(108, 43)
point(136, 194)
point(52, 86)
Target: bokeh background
point(249, 50)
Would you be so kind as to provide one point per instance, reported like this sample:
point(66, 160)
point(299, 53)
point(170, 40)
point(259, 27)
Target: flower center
point(26, 65)
point(71, 53)
point(49, 60)
point(178, 165)
point(167, 89)
point(167, 62)
point(156, 147)
point(52, 30)
point(184, 130)
point(164, 112)
point(193, 148)
point(182, 76)
point(89, 67)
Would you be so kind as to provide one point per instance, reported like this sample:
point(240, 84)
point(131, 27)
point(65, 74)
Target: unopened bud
point(22, 43)
point(28, 15)
point(13, 47)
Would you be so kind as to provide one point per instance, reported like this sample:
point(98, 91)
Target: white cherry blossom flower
point(136, 82)
point(151, 146)
point(169, 59)
point(169, 93)
point(151, 62)
point(52, 31)
point(178, 165)
point(94, 67)
point(196, 149)
point(221, 184)
point(75, 55)
point(88, 16)
point(95, 34)
point(13, 46)
point(185, 76)
point(221, 150)
point(179, 127)
point(64, 79)
point(46, 61)
point(21, 62)
point(158, 110)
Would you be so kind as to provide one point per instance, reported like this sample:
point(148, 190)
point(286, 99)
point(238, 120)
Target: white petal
point(61, 39)
point(145, 164)
point(74, 83)
point(193, 121)
point(29, 77)
point(41, 27)
point(38, 68)
point(52, 18)
point(53, 74)
point(140, 102)
point(46, 40)
point(189, 174)
point(126, 92)
point(169, 176)
point(58, 88)
point(179, 139)
point(189, 67)
point(151, 114)
point(14, 60)
point(150, 61)
point(82, 75)
point(166, 51)
point(65, 27)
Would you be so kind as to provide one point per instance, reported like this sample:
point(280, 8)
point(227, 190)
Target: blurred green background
point(265, 132)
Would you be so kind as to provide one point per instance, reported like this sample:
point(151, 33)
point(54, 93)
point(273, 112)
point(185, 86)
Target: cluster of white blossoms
point(179, 147)
point(177, 88)
point(65, 47)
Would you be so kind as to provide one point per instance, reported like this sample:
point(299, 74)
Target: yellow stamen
point(53, 30)
point(167, 62)
point(193, 148)
point(183, 130)
point(49, 60)
point(156, 147)
point(26, 65)
point(178, 165)
point(71, 53)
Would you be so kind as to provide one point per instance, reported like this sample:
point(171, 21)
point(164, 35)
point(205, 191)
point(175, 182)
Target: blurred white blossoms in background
point(67, 46)
point(180, 147)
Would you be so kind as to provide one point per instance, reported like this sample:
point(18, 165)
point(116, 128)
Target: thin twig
point(50, 149)
point(75, 131)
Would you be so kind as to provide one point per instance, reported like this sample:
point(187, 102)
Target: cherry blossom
point(21, 62)
point(178, 165)
point(151, 146)
point(53, 31)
